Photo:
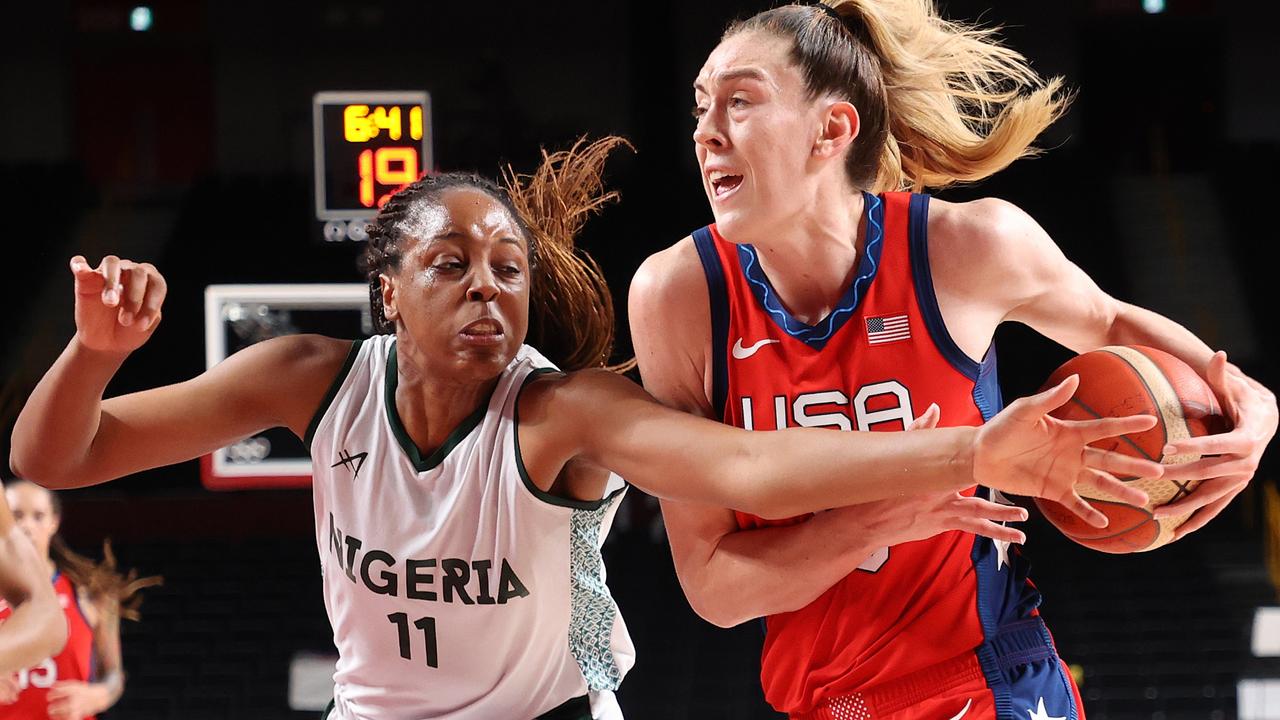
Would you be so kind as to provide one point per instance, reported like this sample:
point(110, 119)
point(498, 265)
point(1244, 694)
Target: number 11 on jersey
point(428, 627)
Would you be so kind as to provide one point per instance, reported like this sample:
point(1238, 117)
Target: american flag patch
point(886, 329)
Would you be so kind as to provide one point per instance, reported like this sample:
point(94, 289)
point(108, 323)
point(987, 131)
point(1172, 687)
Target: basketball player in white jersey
point(462, 486)
point(36, 629)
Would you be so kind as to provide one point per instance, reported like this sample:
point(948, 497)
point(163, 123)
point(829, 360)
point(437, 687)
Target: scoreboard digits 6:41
point(368, 145)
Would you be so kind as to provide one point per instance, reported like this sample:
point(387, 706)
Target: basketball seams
point(1173, 419)
point(1122, 438)
point(1157, 400)
point(1122, 363)
point(1147, 517)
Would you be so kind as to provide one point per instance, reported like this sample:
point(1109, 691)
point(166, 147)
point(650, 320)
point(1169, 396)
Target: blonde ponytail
point(941, 102)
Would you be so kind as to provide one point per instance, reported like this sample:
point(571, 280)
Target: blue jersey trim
point(986, 387)
point(989, 580)
point(719, 293)
point(926, 297)
point(75, 597)
point(816, 336)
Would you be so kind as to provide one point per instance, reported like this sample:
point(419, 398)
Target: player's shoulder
point(563, 390)
point(669, 308)
point(984, 222)
point(669, 277)
point(981, 239)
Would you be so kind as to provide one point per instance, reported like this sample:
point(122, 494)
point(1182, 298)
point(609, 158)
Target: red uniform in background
point(75, 662)
point(942, 628)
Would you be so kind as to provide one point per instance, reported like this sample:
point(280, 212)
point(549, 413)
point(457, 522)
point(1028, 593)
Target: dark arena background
point(182, 133)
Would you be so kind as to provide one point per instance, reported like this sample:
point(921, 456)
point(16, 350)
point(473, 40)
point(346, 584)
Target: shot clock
point(368, 145)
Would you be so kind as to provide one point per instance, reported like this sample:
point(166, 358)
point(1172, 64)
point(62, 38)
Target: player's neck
point(812, 263)
point(431, 406)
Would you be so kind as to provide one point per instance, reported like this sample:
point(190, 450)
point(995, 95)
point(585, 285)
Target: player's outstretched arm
point(613, 423)
point(36, 629)
point(67, 435)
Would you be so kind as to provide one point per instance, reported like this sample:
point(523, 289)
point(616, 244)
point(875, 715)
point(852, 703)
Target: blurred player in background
point(31, 623)
point(85, 678)
point(821, 299)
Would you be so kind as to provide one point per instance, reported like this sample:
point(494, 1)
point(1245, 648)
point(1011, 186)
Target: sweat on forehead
point(463, 210)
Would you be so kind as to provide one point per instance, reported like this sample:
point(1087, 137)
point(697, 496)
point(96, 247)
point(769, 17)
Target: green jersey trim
point(330, 394)
point(407, 444)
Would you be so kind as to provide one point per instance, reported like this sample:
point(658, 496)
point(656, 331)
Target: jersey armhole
point(529, 484)
point(986, 388)
point(75, 598)
point(331, 393)
point(713, 270)
point(926, 296)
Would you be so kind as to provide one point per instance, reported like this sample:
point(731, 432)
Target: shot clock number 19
point(368, 145)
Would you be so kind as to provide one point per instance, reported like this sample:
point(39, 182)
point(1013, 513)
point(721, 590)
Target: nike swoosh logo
point(963, 711)
point(741, 353)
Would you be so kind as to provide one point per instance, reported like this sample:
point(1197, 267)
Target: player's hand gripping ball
point(1131, 380)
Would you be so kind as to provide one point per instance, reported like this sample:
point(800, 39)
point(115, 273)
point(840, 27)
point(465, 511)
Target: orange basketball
point(1135, 380)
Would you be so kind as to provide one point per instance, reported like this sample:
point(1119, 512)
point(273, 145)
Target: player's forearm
point(791, 472)
point(1134, 325)
point(766, 571)
point(56, 428)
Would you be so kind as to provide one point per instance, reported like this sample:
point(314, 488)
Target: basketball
point(1132, 380)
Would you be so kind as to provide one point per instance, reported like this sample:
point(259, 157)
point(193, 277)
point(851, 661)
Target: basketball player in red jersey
point(834, 303)
point(36, 627)
point(85, 677)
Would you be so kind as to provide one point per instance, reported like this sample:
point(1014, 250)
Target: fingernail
point(126, 318)
point(146, 324)
point(1170, 450)
point(111, 297)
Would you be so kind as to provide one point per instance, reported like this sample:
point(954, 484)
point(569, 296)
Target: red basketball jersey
point(878, 360)
point(75, 662)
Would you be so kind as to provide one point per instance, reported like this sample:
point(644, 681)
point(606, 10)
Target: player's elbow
point(719, 606)
point(40, 468)
point(26, 464)
point(728, 616)
point(723, 619)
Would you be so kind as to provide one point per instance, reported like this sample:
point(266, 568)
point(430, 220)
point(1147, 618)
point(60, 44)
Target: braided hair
point(571, 315)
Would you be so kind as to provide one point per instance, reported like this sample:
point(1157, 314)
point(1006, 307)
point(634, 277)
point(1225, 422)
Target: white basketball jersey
point(455, 587)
